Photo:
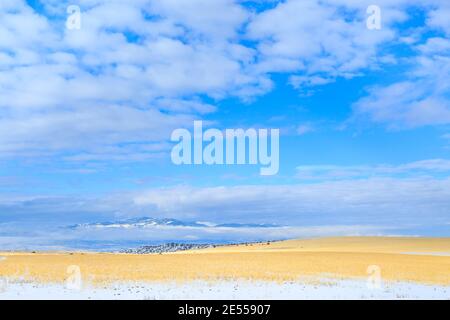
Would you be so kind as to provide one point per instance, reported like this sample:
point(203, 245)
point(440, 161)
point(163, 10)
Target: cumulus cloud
point(422, 97)
point(421, 100)
point(153, 60)
point(318, 41)
point(132, 73)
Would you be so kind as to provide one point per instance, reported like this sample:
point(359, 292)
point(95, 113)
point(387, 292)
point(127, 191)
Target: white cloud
point(422, 97)
point(318, 40)
point(412, 169)
point(85, 90)
point(304, 129)
point(96, 130)
point(420, 100)
point(148, 62)
point(217, 19)
point(383, 200)
point(405, 195)
point(438, 17)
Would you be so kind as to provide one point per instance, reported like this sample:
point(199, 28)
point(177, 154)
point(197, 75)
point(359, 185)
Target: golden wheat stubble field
point(423, 260)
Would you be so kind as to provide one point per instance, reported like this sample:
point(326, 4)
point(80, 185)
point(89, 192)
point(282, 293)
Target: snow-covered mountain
point(147, 222)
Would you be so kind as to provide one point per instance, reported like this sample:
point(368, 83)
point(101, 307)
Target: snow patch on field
point(329, 289)
point(439, 254)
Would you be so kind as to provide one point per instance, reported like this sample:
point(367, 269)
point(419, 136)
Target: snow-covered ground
point(330, 289)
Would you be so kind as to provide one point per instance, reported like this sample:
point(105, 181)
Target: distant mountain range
point(147, 222)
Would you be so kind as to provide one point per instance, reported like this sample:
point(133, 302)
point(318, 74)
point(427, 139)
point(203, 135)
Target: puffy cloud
point(421, 99)
point(330, 41)
point(315, 38)
point(216, 19)
point(152, 60)
point(131, 74)
point(438, 16)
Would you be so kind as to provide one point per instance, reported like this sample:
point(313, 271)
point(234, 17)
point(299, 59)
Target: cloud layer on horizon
point(411, 194)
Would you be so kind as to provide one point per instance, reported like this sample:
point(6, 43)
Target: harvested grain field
point(420, 260)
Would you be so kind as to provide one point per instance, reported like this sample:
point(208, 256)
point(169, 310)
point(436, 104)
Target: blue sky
point(86, 116)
